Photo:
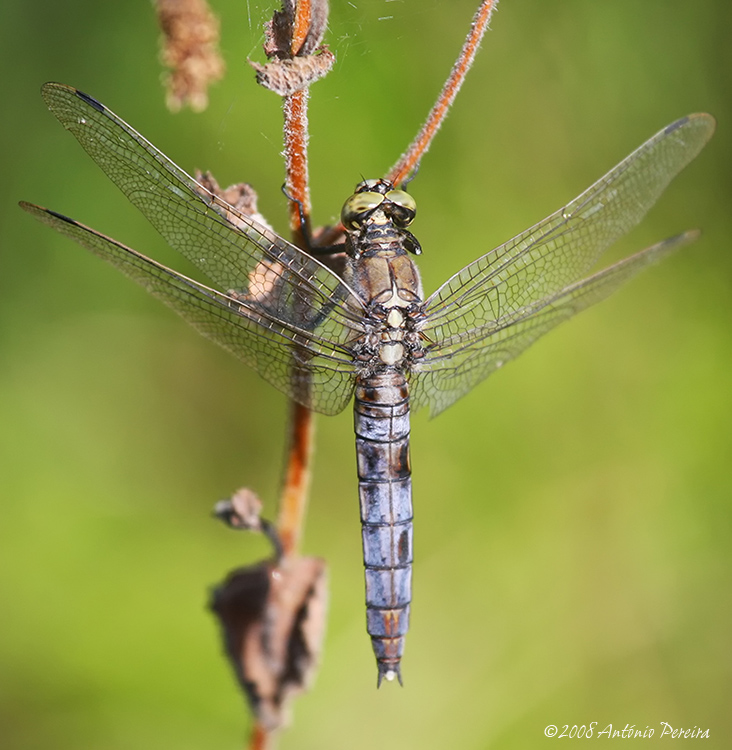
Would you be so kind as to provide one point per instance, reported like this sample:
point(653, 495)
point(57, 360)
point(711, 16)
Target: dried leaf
point(240, 196)
point(285, 77)
point(273, 621)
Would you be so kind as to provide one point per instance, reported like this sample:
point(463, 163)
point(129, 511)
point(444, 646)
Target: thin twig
point(410, 158)
point(293, 498)
point(260, 738)
point(294, 495)
point(296, 159)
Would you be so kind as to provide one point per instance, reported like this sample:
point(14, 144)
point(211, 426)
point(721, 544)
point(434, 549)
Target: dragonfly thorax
point(387, 281)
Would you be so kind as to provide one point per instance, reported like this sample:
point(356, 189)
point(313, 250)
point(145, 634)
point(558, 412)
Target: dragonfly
point(368, 333)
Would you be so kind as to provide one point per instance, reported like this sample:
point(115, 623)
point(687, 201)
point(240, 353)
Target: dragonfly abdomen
point(381, 416)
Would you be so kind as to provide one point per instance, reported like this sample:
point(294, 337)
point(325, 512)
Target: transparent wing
point(442, 379)
point(469, 316)
point(194, 222)
point(301, 363)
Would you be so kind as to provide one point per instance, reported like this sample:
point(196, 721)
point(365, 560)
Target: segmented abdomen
point(381, 416)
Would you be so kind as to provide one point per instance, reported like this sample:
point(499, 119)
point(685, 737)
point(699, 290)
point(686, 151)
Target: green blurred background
point(573, 556)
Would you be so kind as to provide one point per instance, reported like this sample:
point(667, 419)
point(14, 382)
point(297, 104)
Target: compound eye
point(358, 207)
point(403, 208)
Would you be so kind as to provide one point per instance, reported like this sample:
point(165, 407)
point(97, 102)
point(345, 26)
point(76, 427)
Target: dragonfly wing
point(531, 269)
point(441, 379)
point(301, 363)
point(231, 253)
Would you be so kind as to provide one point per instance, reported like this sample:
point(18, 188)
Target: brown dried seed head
point(190, 50)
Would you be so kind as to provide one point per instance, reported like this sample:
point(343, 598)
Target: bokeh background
point(573, 555)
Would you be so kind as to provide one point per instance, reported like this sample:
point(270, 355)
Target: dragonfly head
point(371, 196)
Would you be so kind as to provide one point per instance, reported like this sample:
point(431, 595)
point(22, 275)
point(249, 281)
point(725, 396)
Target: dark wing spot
point(60, 216)
point(90, 100)
point(676, 125)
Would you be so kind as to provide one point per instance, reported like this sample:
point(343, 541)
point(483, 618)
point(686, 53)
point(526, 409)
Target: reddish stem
point(260, 738)
point(296, 159)
point(293, 498)
point(303, 17)
point(410, 158)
